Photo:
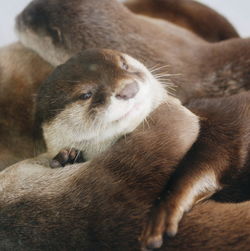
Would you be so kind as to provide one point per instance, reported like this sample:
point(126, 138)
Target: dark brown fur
point(189, 14)
point(21, 73)
point(203, 69)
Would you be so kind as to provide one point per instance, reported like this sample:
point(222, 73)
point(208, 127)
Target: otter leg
point(180, 196)
point(67, 157)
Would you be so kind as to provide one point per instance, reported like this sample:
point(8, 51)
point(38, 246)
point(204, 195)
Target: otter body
point(189, 14)
point(104, 203)
point(198, 68)
point(21, 73)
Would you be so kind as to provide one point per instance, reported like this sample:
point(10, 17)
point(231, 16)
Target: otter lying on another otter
point(91, 202)
point(104, 75)
point(103, 204)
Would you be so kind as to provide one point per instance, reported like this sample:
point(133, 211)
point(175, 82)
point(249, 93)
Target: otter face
point(94, 98)
point(57, 29)
point(38, 28)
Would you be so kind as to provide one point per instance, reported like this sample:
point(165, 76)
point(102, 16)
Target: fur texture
point(198, 68)
point(103, 204)
point(21, 73)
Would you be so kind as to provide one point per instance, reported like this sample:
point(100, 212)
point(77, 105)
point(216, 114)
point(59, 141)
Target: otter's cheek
point(117, 109)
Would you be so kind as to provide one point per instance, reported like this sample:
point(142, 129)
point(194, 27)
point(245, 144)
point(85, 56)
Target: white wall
point(8, 10)
point(237, 11)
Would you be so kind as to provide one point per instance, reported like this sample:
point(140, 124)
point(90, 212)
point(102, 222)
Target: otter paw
point(163, 221)
point(67, 157)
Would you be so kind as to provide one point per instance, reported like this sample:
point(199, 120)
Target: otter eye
point(124, 66)
point(86, 96)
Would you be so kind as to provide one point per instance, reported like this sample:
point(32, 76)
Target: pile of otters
point(116, 120)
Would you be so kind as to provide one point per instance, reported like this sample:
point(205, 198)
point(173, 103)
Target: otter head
point(58, 29)
point(94, 98)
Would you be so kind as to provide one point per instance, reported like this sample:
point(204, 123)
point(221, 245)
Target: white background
point(237, 11)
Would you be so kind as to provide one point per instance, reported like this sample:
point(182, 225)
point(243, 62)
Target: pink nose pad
point(128, 92)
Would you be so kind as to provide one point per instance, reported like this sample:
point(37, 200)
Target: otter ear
point(55, 34)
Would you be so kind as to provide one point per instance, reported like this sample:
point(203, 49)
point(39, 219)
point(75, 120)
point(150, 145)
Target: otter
point(102, 204)
point(110, 93)
point(97, 82)
point(192, 15)
point(196, 67)
point(21, 73)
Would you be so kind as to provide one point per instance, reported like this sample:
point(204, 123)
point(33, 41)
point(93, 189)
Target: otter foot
point(184, 193)
point(163, 220)
point(67, 157)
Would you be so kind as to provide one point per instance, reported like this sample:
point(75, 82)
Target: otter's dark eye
point(86, 96)
point(124, 66)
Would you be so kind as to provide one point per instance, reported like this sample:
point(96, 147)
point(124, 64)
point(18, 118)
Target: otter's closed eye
point(124, 66)
point(86, 96)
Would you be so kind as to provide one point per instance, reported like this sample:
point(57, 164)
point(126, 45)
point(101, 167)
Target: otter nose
point(128, 92)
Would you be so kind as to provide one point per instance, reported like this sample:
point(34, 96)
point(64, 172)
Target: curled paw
point(67, 157)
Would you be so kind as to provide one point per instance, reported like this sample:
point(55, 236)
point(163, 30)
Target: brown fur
point(203, 69)
point(218, 161)
point(21, 72)
point(189, 14)
point(103, 204)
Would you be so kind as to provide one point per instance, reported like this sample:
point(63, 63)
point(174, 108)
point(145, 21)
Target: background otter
point(204, 69)
point(21, 73)
point(192, 15)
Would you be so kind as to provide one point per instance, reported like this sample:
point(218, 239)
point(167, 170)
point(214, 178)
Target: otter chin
point(93, 99)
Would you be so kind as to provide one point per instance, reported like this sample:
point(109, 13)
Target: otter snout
point(129, 91)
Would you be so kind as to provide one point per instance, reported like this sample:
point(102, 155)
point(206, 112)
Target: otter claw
point(67, 157)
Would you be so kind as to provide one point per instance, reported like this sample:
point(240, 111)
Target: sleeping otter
point(103, 75)
point(103, 203)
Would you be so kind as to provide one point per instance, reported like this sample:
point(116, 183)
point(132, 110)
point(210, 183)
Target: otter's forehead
point(97, 66)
